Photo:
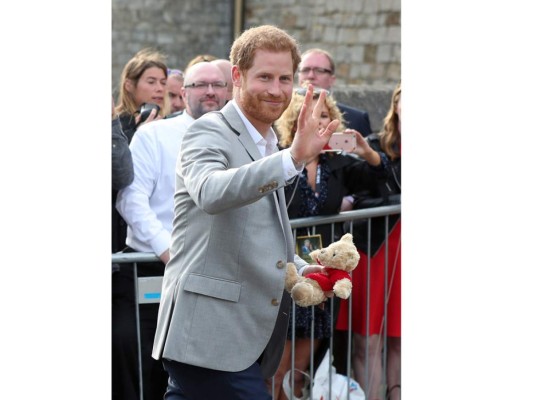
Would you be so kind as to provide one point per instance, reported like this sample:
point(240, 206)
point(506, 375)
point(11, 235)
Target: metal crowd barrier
point(148, 290)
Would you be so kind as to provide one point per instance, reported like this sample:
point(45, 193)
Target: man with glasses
point(147, 205)
point(317, 67)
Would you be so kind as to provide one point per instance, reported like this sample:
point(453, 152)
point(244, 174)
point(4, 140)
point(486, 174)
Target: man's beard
point(255, 107)
point(200, 108)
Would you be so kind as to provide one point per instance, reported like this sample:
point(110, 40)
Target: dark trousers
point(125, 365)
point(340, 342)
point(195, 383)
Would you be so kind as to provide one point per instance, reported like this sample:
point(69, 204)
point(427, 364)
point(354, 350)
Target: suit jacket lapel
point(235, 123)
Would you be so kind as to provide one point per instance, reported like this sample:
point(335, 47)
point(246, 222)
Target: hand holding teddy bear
point(339, 258)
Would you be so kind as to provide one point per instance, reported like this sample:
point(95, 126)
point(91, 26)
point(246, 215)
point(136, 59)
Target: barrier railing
point(145, 292)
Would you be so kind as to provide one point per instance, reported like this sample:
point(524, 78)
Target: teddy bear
point(339, 258)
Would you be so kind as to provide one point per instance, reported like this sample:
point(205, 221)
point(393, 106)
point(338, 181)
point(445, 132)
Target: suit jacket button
point(280, 264)
point(275, 302)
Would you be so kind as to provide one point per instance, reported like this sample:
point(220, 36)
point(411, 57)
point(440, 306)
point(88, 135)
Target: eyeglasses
point(316, 70)
point(316, 91)
point(205, 85)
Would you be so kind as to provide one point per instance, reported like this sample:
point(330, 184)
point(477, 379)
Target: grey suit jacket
point(223, 301)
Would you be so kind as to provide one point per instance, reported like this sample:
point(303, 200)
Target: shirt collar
point(258, 139)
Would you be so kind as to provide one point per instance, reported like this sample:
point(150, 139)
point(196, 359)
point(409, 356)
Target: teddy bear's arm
point(325, 282)
point(337, 274)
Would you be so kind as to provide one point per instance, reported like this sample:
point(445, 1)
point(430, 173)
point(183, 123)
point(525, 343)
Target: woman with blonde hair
point(319, 190)
point(286, 125)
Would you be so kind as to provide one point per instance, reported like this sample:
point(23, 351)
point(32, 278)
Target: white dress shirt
point(147, 205)
point(266, 146)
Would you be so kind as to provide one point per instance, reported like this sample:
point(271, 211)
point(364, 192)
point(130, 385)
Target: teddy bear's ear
point(353, 260)
point(347, 238)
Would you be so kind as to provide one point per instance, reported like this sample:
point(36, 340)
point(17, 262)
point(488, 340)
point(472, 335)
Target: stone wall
point(179, 28)
point(375, 99)
point(362, 35)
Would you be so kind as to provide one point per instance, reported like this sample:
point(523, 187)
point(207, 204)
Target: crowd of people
point(208, 181)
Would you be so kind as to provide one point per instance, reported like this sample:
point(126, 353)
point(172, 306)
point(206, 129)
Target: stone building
point(362, 35)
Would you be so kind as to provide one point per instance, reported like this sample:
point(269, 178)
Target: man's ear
point(236, 76)
point(182, 92)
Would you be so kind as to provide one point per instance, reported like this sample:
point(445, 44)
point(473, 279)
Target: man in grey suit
point(223, 314)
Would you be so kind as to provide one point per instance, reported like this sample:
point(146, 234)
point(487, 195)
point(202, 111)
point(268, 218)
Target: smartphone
point(342, 142)
point(146, 109)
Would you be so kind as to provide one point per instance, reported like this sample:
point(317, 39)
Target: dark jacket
point(380, 192)
point(121, 162)
point(118, 225)
point(128, 125)
point(356, 119)
point(345, 175)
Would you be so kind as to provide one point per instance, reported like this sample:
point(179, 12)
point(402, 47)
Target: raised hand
point(150, 118)
point(309, 139)
point(363, 149)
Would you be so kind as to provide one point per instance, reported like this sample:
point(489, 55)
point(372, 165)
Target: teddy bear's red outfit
point(328, 279)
